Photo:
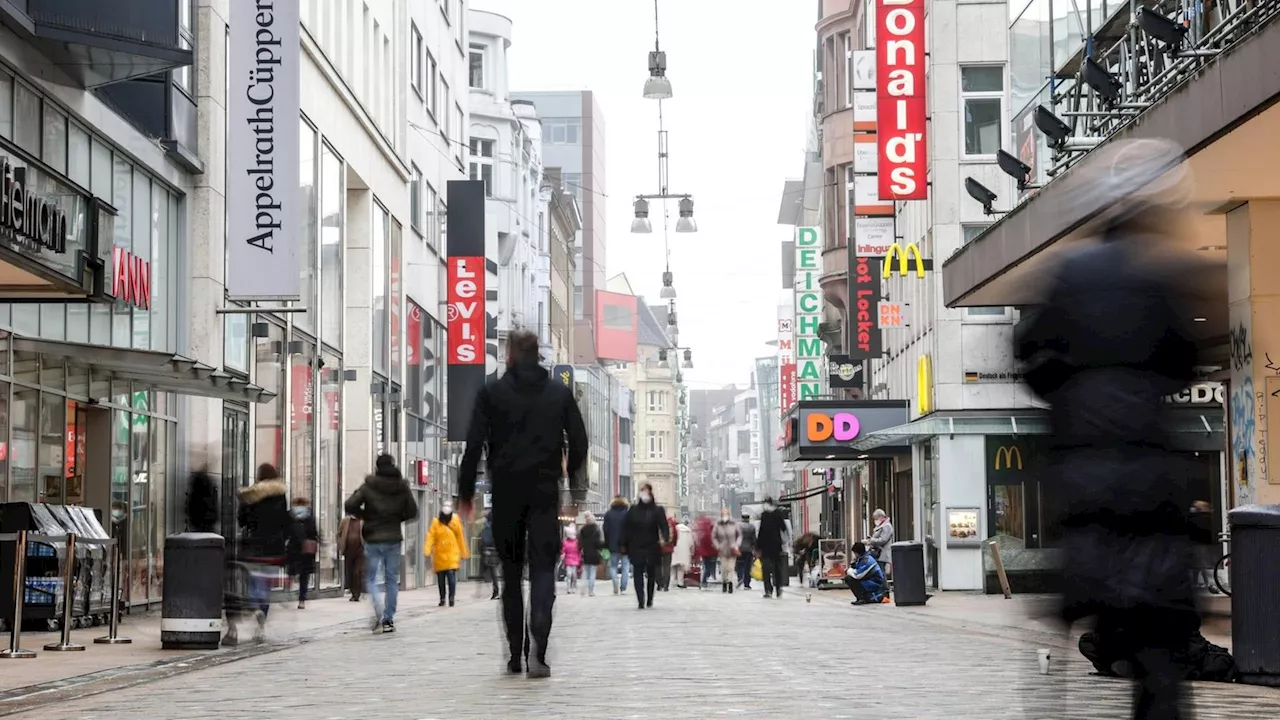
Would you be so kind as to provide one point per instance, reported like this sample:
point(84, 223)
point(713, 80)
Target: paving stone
point(696, 653)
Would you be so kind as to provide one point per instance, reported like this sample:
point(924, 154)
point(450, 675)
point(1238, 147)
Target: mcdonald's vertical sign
point(809, 350)
point(900, 99)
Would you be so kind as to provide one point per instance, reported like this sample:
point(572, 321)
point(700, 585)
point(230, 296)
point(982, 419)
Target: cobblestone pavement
point(697, 653)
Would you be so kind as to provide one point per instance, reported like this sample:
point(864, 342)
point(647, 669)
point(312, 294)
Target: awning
point(1180, 422)
point(159, 370)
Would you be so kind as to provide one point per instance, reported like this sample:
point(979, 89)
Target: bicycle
point(1222, 569)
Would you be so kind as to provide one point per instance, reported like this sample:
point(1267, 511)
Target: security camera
point(981, 193)
point(1055, 130)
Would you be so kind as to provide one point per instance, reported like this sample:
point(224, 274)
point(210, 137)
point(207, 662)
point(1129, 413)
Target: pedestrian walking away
point(619, 564)
point(489, 553)
point(643, 534)
point(728, 539)
point(520, 423)
point(266, 528)
point(571, 553)
point(682, 557)
point(351, 548)
point(705, 548)
point(304, 545)
point(1111, 339)
point(668, 547)
point(770, 541)
point(746, 550)
point(591, 541)
point(446, 545)
point(383, 503)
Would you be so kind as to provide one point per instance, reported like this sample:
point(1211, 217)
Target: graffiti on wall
point(1244, 414)
point(1241, 348)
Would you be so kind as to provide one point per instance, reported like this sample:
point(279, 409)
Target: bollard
point(68, 601)
point(112, 637)
point(15, 651)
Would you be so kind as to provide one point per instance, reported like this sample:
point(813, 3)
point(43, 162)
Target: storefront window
point(100, 170)
point(157, 507)
point(307, 226)
point(120, 495)
point(161, 257)
point(378, 270)
point(26, 119)
point(122, 184)
point(302, 423)
point(4, 433)
point(235, 342)
point(140, 499)
point(54, 152)
point(78, 155)
point(329, 491)
point(396, 297)
point(331, 224)
point(25, 418)
point(269, 445)
point(143, 222)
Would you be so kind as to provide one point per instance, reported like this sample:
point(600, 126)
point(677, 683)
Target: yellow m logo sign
point(1010, 454)
point(904, 257)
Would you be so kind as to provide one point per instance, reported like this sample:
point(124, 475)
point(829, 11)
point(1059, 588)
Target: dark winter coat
point(266, 527)
point(614, 522)
point(384, 502)
point(644, 532)
point(591, 541)
point(202, 504)
point(1104, 350)
point(747, 547)
point(773, 530)
point(520, 422)
point(304, 529)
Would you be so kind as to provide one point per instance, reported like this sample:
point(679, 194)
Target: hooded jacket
point(265, 523)
point(591, 542)
point(683, 555)
point(614, 522)
point(747, 547)
point(520, 422)
point(644, 531)
point(384, 502)
point(445, 544)
point(770, 539)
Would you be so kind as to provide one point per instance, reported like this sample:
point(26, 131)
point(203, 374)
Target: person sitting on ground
point(865, 578)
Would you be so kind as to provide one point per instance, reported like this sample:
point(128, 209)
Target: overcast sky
point(741, 73)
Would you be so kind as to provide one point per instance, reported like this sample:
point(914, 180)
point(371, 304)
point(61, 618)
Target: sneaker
point(302, 605)
point(388, 626)
point(377, 626)
point(539, 669)
point(450, 602)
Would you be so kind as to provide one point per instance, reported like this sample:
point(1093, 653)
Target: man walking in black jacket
point(769, 546)
point(521, 422)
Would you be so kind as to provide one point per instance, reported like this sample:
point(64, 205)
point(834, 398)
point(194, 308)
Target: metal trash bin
point(908, 573)
point(1255, 593)
point(191, 614)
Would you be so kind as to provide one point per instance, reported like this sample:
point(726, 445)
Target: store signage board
point(786, 364)
point(130, 278)
point(868, 342)
point(263, 173)
point(809, 348)
point(843, 372)
point(893, 315)
point(30, 223)
point(837, 425)
point(1199, 394)
point(901, 118)
point(465, 295)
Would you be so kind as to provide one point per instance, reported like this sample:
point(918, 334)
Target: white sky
point(741, 73)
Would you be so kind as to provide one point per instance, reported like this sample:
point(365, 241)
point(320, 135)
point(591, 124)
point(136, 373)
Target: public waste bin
point(908, 573)
point(191, 614)
point(1255, 593)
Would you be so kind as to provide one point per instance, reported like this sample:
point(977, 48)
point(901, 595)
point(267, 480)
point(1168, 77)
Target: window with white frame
point(476, 65)
point(982, 96)
point(482, 163)
point(657, 401)
point(446, 123)
point(433, 84)
point(415, 199)
point(416, 47)
point(846, 87)
point(657, 445)
point(459, 122)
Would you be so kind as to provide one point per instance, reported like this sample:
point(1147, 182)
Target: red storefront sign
point(303, 392)
point(466, 311)
point(900, 100)
point(786, 386)
point(413, 336)
point(131, 278)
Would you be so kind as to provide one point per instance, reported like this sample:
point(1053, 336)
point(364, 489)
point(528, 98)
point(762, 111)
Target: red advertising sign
point(868, 341)
point(303, 392)
point(900, 100)
point(466, 311)
point(413, 336)
point(787, 385)
point(131, 278)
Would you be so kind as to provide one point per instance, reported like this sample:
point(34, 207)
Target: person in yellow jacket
point(447, 547)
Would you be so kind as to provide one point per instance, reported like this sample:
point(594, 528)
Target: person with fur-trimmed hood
point(266, 528)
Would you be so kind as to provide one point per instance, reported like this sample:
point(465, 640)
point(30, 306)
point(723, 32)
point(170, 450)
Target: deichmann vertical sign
point(900, 97)
point(465, 294)
point(808, 344)
point(263, 117)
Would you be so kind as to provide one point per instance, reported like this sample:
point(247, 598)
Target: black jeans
point(492, 572)
point(526, 527)
point(449, 578)
point(859, 592)
point(745, 561)
point(304, 584)
point(646, 572)
point(664, 572)
point(772, 567)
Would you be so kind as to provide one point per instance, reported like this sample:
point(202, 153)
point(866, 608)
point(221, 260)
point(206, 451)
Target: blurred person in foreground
point(521, 422)
point(1108, 343)
point(266, 530)
point(384, 503)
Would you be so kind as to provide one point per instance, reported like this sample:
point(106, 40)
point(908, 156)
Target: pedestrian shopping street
point(696, 653)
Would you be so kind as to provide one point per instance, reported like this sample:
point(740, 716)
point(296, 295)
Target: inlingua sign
point(262, 150)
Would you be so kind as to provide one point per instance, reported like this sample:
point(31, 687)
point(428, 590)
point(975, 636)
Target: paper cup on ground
point(1043, 655)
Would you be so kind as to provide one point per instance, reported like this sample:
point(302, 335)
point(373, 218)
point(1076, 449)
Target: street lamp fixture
point(668, 289)
point(641, 223)
point(657, 87)
point(688, 358)
point(662, 359)
point(686, 223)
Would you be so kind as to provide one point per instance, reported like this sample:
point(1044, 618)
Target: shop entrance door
point(235, 463)
point(64, 467)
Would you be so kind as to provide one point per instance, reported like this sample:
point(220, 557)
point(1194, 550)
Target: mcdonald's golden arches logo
point(1010, 454)
point(904, 257)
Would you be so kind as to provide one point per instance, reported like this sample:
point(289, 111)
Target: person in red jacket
point(664, 563)
point(705, 547)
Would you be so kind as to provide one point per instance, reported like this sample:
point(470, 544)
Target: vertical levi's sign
point(263, 174)
point(466, 311)
point(901, 117)
point(809, 354)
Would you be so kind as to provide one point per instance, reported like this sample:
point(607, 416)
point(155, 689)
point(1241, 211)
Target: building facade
point(573, 142)
point(563, 224)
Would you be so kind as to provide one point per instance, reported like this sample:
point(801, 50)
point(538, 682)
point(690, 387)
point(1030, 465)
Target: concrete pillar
point(357, 400)
point(1253, 292)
